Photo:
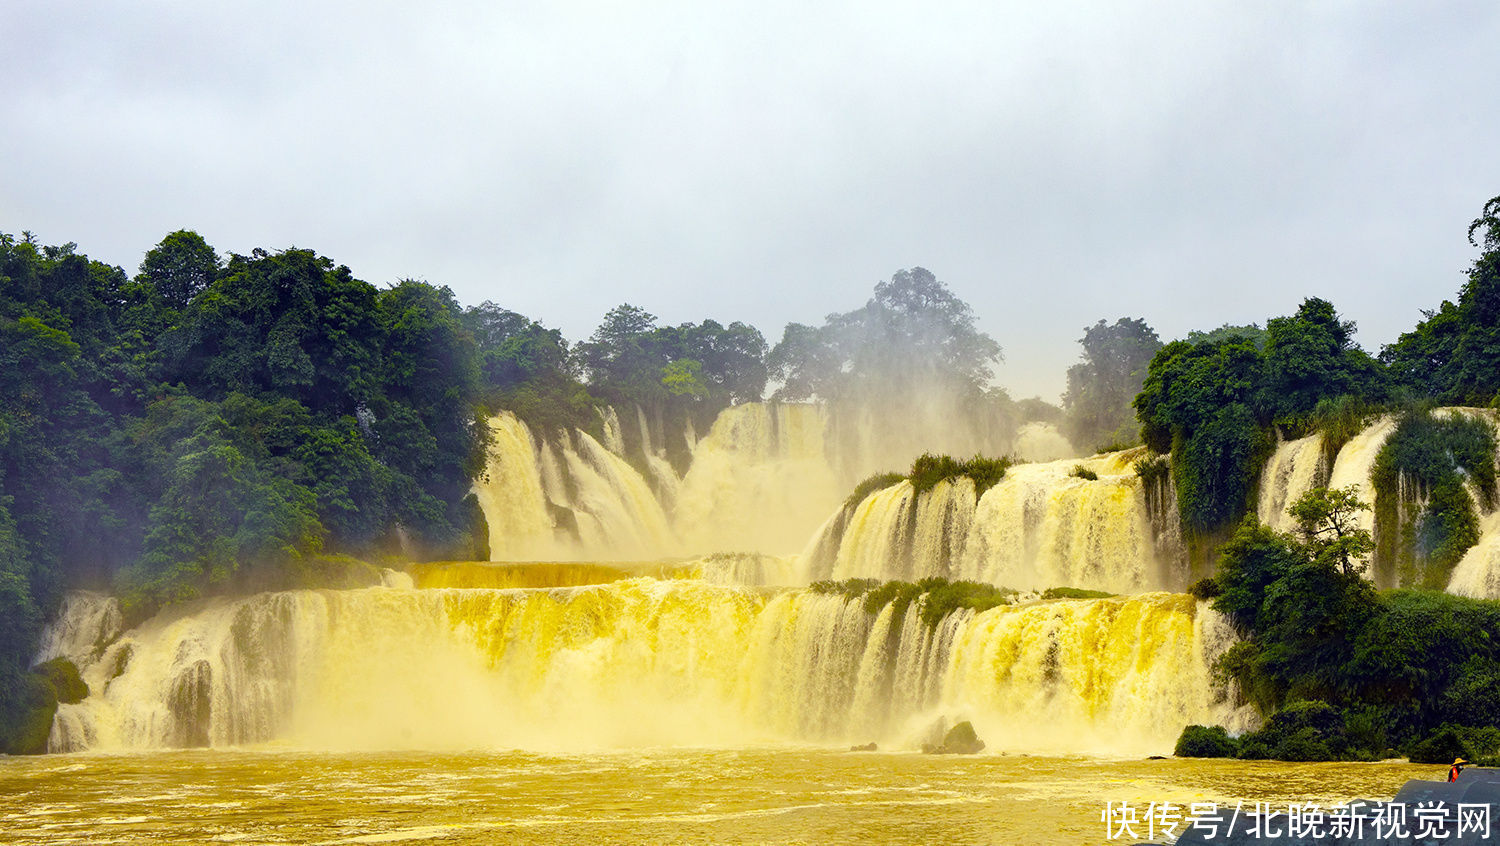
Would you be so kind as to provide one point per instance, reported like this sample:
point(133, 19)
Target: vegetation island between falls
point(221, 423)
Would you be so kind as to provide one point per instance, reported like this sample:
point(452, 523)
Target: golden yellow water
point(781, 795)
point(542, 574)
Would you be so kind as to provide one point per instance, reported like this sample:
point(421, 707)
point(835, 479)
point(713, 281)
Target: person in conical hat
point(1458, 767)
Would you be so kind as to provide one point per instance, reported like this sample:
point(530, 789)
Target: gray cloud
point(1189, 163)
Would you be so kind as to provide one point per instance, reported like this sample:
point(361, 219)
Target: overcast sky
point(1189, 163)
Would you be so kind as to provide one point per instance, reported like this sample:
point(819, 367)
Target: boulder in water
point(960, 740)
point(868, 747)
point(37, 698)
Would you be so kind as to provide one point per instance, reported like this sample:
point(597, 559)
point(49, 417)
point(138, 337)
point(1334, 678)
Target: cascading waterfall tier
point(576, 499)
point(641, 662)
point(1043, 525)
point(1356, 462)
point(1295, 468)
point(758, 481)
point(722, 568)
point(1477, 574)
point(512, 497)
point(1298, 466)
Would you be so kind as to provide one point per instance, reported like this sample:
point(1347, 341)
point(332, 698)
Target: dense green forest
point(1341, 669)
point(1217, 400)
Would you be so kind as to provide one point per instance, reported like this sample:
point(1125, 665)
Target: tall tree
point(1454, 353)
point(1102, 385)
point(1311, 356)
point(913, 337)
point(618, 358)
point(181, 267)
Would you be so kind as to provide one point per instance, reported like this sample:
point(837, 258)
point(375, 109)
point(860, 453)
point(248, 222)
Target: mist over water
point(644, 662)
point(616, 617)
point(762, 479)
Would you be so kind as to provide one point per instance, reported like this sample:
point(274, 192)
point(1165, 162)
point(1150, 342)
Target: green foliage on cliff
point(848, 588)
point(870, 485)
point(1344, 671)
point(1430, 461)
point(1075, 593)
point(939, 597)
point(928, 469)
point(945, 597)
point(1197, 404)
point(1453, 356)
point(1338, 420)
point(530, 370)
point(1213, 402)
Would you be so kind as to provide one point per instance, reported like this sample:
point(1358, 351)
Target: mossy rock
point(1205, 742)
point(1301, 731)
point(67, 685)
point(40, 691)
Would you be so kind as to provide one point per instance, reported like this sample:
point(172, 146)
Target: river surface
point(780, 795)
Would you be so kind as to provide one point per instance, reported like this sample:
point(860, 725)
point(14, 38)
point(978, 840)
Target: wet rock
point(960, 740)
point(191, 704)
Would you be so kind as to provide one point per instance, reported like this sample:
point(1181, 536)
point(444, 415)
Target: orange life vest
point(1453, 772)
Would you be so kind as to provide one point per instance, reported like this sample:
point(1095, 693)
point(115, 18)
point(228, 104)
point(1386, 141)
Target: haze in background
point(1192, 164)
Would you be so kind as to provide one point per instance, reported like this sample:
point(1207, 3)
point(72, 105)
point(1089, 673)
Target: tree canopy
point(1213, 403)
point(913, 336)
point(1102, 386)
point(1453, 354)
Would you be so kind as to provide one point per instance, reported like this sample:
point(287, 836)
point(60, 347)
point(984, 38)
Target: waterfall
point(617, 514)
point(636, 662)
point(759, 481)
point(577, 498)
point(1042, 442)
point(1293, 470)
point(614, 439)
point(511, 494)
point(743, 568)
point(1098, 670)
point(1041, 526)
point(1356, 461)
point(85, 625)
point(1477, 574)
point(873, 543)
